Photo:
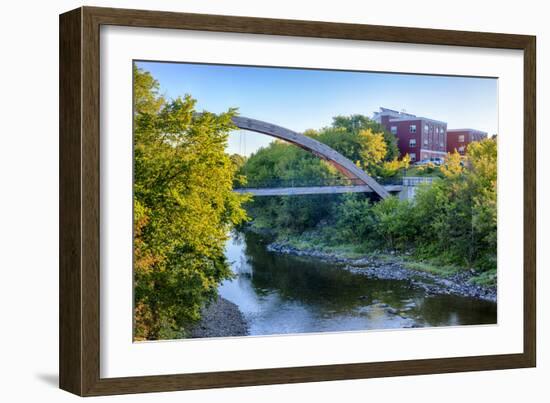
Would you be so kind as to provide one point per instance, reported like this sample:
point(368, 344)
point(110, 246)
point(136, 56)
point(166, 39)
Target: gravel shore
point(457, 284)
point(221, 318)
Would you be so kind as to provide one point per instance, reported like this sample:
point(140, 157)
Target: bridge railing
point(416, 180)
point(299, 182)
point(312, 182)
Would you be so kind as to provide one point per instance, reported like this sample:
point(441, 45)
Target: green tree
point(354, 219)
point(482, 157)
point(283, 164)
point(184, 208)
point(359, 139)
point(356, 123)
point(456, 216)
point(392, 223)
point(146, 93)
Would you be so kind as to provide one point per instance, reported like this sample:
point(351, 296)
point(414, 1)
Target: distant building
point(458, 139)
point(420, 137)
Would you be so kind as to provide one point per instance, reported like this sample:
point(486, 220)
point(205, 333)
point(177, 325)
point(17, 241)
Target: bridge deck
point(294, 191)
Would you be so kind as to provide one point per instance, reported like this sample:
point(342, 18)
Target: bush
point(354, 222)
point(392, 223)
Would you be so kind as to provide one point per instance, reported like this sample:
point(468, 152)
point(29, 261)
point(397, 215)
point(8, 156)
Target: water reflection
point(281, 294)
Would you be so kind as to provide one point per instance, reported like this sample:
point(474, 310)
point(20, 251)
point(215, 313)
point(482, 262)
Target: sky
point(301, 99)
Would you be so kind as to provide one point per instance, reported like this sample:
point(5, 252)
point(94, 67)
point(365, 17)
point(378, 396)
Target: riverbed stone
point(221, 318)
point(457, 284)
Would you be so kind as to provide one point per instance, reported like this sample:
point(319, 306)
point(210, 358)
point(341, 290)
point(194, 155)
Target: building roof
point(392, 113)
point(466, 130)
point(396, 116)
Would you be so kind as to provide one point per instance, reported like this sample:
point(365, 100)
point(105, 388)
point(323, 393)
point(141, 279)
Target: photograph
point(277, 200)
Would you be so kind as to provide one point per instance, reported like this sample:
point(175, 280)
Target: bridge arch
point(344, 165)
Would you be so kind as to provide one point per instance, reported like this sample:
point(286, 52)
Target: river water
point(281, 294)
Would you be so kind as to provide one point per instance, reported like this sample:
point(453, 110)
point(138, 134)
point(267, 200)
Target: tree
point(482, 158)
point(457, 214)
point(361, 140)
point(283, 164)
point(389, 169)
point(184, 208)
point(146, 93)
point(392, 223)
point(453, 166)
point(356, 123)
point(357, 138)
point(354, 221)
point(373, 150)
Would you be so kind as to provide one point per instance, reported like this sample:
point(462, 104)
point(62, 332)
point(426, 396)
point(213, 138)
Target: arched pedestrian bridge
point(359, 180)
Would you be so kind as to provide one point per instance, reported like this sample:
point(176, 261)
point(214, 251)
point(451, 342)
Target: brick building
point(420, 137)
point(458, 139)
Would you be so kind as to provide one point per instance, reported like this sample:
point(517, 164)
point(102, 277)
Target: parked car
point(423, 162)
point(437, 161)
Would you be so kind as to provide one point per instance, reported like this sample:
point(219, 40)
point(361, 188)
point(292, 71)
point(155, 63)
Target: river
point(281, 294)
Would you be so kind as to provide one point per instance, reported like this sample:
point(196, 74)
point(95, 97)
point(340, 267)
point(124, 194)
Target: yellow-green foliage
point(453, 166)
point(184, 207)
point(374, 148)
point(394, 167)
point(458, 213)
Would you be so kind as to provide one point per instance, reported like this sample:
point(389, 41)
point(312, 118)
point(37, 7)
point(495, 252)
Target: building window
point(426, 128)
point(412, 128)
point(412, 143)
point(413, 157)
point(426, 140)
point(461, 149)
point(393, 129)
point(461, 138)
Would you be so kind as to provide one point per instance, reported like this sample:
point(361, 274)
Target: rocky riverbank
point(455, 284)
point(222, 318)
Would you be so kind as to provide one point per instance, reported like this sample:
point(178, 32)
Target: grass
point(485, 279)
point(428, 267)
point(423, 171)
point(412, 263)
point(313, 241)
point(488, 278)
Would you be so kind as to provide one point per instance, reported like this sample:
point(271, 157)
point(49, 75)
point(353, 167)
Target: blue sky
point(308, 99)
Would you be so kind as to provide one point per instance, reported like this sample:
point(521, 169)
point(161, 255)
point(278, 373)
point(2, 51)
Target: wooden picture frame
point(79, 346)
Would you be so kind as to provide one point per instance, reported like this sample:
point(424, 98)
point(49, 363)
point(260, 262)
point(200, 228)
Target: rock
point(221, 318)
point(458, 284)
